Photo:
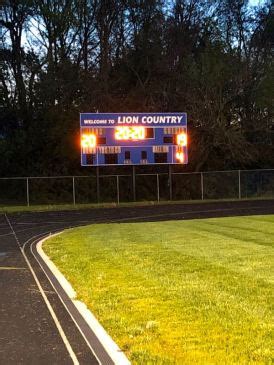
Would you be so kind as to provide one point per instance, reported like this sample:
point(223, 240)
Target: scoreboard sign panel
point(133, 139)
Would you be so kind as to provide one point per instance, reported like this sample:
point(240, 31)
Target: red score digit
point(181, 139)
point(88, 140)
point(180, 156)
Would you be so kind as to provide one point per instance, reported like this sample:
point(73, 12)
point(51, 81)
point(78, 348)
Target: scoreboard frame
point(107, 139)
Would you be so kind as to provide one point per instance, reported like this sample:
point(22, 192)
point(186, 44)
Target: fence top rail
point(219, 171)
point(152, 174)
point(126, 175)
point(114, 175)
point(187, 173)
point(47, 177)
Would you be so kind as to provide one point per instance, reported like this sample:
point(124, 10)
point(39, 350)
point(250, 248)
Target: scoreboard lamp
point(133, 139)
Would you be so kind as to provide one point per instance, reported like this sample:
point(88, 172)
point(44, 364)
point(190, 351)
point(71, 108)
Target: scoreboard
point(133, 138)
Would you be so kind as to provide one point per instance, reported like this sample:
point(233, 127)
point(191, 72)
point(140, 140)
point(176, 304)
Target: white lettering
point(167, 119)
point(128, 120)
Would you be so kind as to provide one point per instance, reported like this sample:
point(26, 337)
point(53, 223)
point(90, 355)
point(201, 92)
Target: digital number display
point(88, 141)
point(129, 133)
point(180, 157)
point(181, 139)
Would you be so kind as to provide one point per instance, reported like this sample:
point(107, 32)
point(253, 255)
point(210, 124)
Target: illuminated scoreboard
point(133, 139)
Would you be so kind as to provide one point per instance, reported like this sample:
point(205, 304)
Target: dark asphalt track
point(28, 333)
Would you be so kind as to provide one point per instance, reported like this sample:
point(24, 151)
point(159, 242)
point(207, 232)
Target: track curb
point(112, 349)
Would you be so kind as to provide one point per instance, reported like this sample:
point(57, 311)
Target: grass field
point(177, 292)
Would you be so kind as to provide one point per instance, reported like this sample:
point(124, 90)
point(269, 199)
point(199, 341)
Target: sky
point(254, 2)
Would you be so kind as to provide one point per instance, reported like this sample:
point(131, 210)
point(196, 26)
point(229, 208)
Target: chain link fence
point(239, 184)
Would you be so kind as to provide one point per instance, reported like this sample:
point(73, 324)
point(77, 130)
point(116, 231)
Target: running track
point(35, 326)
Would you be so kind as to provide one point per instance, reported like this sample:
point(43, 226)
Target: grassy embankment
point(178, 292)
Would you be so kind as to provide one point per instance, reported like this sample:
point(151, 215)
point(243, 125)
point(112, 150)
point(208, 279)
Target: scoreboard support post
point(158, 188)
point(202, 185)
point(97, 184)
point(239, 184)
point(73, 190)
point(134, 183)
point(118, 189)
point(27, 187)
point(170, 181)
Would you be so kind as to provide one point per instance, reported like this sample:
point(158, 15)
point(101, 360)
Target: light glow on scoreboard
point(133, 139)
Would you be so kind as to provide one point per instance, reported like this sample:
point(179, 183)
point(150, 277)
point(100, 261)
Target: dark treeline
point(211, 59)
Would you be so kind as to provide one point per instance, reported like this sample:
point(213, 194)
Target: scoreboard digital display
point(133, 138)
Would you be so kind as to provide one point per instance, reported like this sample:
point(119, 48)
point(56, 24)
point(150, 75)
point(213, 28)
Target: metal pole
point(158, 188)
point(97, 184)
point(133, 183)
point(27, 181)
point(73, 190)
point(170, 181)
point(239, 184)
point(202, 185)
point(118, 191)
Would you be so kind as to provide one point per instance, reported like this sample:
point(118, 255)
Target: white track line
point(46, 235)
point(34, 228)
point(182, 213)
point(48, 222)
point(107, 342)
point(54, 317)
point(69, 290)
point(6, 234)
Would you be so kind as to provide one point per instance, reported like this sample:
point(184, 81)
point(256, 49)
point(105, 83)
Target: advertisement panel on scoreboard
point(133, 138)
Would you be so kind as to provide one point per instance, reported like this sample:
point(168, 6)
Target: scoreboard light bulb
point(126, 133)
point(180, 156)
point(181, 139)
point(88, 140)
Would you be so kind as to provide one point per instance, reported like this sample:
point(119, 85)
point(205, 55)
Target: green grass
point(177, 292)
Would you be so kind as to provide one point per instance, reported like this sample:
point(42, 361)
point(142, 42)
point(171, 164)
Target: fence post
point(202, 185)
point(118, 191)
point(97, 184)
point(170, 181)
point(73, 190)
point(158, 188)
point(239, 184)
point(133, 183)
point(27, 181)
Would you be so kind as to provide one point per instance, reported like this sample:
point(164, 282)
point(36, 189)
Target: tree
point(213, 60)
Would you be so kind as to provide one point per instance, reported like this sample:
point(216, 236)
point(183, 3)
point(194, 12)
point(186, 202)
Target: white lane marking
point(182, 213)
point(47, 225)
point(109, 220)
point(68, 289)
point(57, 231)
point(107, 342)
point(36, 236)
point(50, 222)
point(37, 223)
point(55, 319)
point(12, 268)
point(33, 237)
point(6, 234)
